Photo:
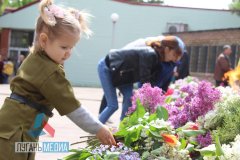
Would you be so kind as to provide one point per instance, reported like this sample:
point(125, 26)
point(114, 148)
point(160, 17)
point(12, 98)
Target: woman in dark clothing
point(121, 68)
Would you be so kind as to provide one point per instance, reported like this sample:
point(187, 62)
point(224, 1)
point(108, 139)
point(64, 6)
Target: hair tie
point(53, 11)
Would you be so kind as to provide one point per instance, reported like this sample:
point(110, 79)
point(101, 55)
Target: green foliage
point(143, 133)
point(13, 4)
point(235, 7)
point(219, 150)
point(139, 126)
point(162, 113)
point(3, 5)
point(190, 133)
point(228, 116)
point(209, 152)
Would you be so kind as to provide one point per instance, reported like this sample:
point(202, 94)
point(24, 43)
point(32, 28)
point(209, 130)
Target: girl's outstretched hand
point(105, 136)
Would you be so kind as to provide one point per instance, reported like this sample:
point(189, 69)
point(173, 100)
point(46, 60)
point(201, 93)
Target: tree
point(13, 4)
point(3, 4)
point(235, 6)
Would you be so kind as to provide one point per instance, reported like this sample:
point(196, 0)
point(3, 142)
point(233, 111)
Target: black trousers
point(103, 104)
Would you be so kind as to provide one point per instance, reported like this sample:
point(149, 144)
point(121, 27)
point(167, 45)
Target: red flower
point(169, 92)
point(193, 126)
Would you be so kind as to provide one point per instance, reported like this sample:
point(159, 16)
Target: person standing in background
point(1, 69)
point(223, 65)
point(8, 69)
point(21, 58)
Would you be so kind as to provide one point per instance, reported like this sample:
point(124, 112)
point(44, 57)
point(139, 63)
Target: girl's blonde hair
point(55, 21)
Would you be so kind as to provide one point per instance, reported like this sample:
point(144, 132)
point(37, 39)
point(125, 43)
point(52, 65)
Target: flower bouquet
point(185, 123)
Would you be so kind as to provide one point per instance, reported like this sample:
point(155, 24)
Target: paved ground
point(66, 130)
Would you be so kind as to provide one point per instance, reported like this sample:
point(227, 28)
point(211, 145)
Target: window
point(203, 58)
point(19, 44)
point(21, 39)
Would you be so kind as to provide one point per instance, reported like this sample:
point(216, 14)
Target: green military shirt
point(42, 81)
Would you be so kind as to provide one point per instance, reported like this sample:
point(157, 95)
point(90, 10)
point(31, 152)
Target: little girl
point(40, 84)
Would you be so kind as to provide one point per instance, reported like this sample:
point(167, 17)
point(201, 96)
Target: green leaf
point(219, 151)
point(168, 99)
point(156, 134)
point(193, 132)
point(133, 135)
point(152, 117)
point(206, 153)
point(156, 151)
point(132, 119)
point(183, 143)
point(145, 155)
point(162, 113)
point(121, 133)
point(190, 147)
point(157, 127)
point(84, 155)
point(72, 157)
point(124, 123)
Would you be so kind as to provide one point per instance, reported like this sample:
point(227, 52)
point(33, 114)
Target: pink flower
point(150, 97)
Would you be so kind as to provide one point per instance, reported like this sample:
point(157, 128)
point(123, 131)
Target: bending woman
point(122, 68)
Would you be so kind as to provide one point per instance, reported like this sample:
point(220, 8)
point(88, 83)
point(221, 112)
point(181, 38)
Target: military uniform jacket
point(42, 81)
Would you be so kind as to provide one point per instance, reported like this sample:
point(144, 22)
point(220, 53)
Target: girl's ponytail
point(44, 13)
point(83, 18)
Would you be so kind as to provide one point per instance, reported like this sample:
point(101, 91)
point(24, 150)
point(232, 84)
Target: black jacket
point(133, 65)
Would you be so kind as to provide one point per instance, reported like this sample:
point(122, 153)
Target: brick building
point(204, 46)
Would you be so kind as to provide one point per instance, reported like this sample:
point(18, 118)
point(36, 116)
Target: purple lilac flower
point(125, 152)
point(179, 102)
point(199, 100)
point(204, 140)
point(150, 97)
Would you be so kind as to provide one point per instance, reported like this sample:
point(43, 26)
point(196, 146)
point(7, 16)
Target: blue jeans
point(110, 93)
